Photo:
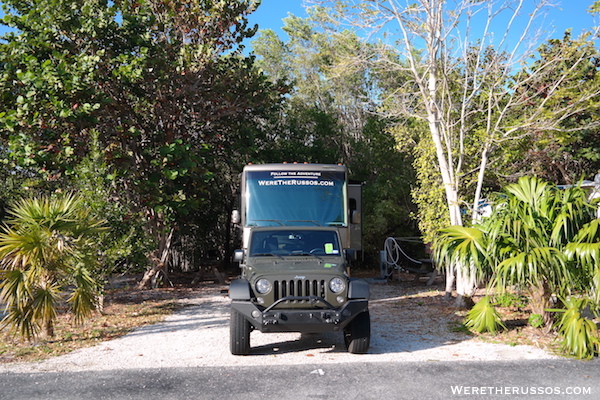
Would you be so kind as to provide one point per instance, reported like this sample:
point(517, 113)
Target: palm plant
point(47, 247)
point(538, 237)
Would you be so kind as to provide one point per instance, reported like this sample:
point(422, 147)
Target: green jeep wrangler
point(294, 279)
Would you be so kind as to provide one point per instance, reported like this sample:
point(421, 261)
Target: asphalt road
point(541, 379)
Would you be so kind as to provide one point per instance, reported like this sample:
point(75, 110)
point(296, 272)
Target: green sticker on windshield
point(328, 265)
point(328, 248)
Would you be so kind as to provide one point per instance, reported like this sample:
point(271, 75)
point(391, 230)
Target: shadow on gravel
point(331, 341)
point(409, 316)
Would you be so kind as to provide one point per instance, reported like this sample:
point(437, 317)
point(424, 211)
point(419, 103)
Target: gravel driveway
point(198, 335)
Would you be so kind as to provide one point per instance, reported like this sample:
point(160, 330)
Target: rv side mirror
point(238, 255)
point(235, 217)
point(350, 254)
point(355, 217)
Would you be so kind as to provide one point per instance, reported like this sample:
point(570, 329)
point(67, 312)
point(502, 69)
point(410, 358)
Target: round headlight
point(337, 285)
point(263, 286)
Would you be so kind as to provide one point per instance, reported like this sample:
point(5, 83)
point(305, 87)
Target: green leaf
point(171, 174)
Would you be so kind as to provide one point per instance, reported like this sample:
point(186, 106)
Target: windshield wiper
point(265, 254)
point(307, 254)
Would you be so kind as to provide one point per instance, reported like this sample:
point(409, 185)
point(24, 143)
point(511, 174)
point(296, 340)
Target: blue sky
point(271, 12)
point(569, 14)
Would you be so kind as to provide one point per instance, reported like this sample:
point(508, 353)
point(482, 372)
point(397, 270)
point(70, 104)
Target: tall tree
point(164, 84)
point(315, 63)
point(461, 83)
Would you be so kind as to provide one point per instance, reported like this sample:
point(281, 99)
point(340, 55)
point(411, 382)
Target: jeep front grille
point(299, 288)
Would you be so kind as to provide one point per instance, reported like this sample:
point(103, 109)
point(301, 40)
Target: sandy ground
point(403, 330)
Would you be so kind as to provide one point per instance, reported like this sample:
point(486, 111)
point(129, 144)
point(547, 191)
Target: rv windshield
point(308, 198)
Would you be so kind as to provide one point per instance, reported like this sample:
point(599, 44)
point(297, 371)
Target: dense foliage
point(150, 109)
point(331, 117)
point(162, 90)
point(539, 238)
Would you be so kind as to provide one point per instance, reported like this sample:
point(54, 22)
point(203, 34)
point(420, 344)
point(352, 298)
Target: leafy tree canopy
point(163, 83)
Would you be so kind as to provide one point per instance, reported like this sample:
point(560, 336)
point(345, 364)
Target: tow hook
point(272, 319)
point(328, 318)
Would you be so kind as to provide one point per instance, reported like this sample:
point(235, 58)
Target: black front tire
point(357, 335)
point(239, 334)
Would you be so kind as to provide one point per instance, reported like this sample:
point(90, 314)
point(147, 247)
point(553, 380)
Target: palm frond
point(14, 287)
point(579, 334)
point(595, 290)
point(83, 300)
point(461, 244)
point(528, 267)
point(584, 253)
point(44, 302)
point(588, 232)
point(483, 317)
point(529, 191)
point(20, 321)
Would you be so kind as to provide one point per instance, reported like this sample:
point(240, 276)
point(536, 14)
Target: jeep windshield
point(295, 242)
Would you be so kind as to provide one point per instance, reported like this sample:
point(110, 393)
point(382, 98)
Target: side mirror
point(350, 254)
point(235, 217)
point(238, 255)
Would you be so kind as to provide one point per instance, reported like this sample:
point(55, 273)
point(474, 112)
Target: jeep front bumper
point(277, 318)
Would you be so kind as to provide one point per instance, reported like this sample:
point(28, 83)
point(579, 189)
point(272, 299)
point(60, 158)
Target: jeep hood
point(267, 265)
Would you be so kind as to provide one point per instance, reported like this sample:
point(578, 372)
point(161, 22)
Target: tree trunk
point(540, 301)
point(465, 276)
point(465, 279)
point(100, 303)
point(159, 260)
point(465, 285)
point(227, 251)
point(464, 302)
point(476, 216)
point(449, 281)
point(48, 328)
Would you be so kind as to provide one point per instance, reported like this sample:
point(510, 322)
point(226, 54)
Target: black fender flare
point(358, 289)
point(239, 289)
